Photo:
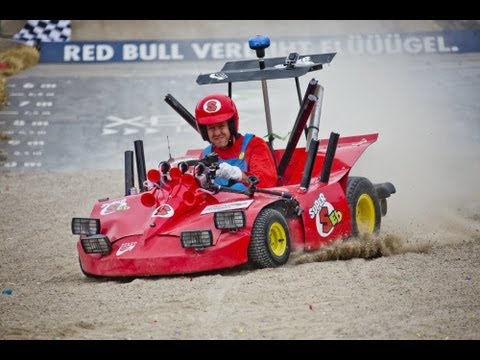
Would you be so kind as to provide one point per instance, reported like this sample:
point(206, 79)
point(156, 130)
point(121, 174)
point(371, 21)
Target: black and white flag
point(36, 31)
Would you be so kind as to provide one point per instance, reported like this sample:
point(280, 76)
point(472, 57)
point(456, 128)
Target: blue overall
point(240, 162)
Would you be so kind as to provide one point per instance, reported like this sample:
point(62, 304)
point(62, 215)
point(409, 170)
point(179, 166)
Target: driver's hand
point(227, 171)
point(202, 180)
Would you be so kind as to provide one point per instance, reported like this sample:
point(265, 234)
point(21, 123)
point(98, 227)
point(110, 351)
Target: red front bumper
point(163, 255)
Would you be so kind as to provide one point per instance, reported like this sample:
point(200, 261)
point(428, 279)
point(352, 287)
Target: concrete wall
point(191, 29)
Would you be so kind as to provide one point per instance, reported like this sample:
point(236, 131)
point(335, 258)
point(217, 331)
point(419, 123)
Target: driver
point(239, 155)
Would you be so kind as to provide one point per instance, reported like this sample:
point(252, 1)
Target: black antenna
point(169, 153)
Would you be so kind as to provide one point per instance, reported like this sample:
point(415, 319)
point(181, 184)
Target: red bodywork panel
point(348, 151)
point(146, 240)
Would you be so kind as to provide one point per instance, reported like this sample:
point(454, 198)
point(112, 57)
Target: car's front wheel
point(270, 240)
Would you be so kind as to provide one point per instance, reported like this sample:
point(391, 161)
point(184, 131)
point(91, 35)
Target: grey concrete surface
point(86, 116)
point(88, 122)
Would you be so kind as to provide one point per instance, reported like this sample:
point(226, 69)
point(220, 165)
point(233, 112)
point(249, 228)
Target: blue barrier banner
point(445, 42)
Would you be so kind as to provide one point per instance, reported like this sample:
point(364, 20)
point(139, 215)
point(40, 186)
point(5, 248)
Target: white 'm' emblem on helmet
point(212, 105)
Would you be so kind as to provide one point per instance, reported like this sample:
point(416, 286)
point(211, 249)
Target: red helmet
point(214, 109)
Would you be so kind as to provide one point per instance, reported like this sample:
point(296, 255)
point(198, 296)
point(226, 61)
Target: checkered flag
point(36, 31)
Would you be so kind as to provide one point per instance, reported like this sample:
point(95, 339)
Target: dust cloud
point(426, 113)
point(366, 247)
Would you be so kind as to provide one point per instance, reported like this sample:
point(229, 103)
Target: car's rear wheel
point(270, 240)
point(364, 206)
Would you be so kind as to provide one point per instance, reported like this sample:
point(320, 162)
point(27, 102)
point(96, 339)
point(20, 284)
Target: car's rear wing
point(275, 68)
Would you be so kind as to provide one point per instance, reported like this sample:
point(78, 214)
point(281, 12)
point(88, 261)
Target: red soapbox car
point(174, 224)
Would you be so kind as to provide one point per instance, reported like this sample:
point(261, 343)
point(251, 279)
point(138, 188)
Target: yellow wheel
point(365, 214)
point(277, 238)
point(364, 206)
point(270, 241)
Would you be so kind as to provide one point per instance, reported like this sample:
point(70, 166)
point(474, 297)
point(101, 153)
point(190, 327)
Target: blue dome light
point(259, 42)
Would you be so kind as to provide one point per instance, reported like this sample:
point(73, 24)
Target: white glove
point(228, 171)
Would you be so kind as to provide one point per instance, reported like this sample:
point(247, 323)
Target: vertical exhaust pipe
point(314, 125)
point(327, 163)
point(140, 157)
point(311, 90)
point(307, 172)
point(302, 118)
point(129, 177)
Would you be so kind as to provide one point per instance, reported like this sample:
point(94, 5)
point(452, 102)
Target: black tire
point(270, 241)
point(364, 206)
